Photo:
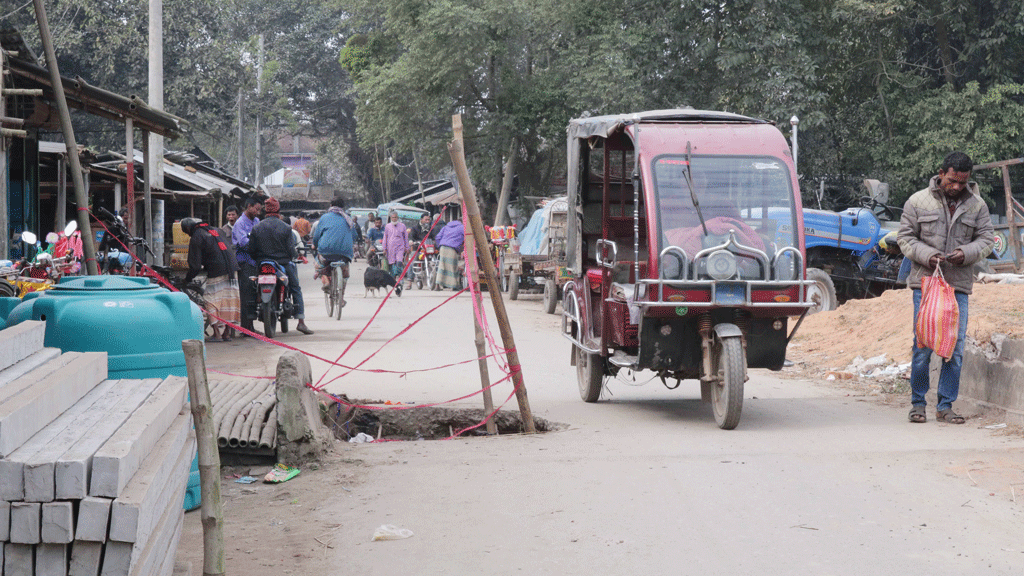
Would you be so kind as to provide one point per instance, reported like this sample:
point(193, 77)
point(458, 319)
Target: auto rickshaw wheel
point(729, 362)
point(550, 296)
point(589, 374)
point(513, 286)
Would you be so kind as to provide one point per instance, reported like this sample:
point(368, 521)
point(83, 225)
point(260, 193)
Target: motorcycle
point(117, 246)
point(375, 255)
point(41, 270)
point(273, 299)
point(424, 267)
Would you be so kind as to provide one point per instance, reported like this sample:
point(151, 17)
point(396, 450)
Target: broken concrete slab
point(58, 523)
point(45, 446)
point(302, 436)
point(93, 519)
point(160, 478)
point(73, 468)
point(117, 460)
point(20, 341)
point(25, 518)
point(29, 412)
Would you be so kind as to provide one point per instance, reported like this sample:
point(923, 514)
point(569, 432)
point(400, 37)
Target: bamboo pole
point(209, 458)
point(1012, 218)
point(81, 194)
point(481, 347)
point(477, 225)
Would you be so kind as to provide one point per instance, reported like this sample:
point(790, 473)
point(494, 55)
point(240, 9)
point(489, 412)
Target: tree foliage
point(883, 88)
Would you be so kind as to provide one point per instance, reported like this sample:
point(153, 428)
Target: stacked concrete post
point(92, 471)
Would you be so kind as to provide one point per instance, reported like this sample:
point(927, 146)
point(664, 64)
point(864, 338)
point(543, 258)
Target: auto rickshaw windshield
point(749, 195)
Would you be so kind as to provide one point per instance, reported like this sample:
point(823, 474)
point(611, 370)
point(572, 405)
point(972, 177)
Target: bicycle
point(334, 298)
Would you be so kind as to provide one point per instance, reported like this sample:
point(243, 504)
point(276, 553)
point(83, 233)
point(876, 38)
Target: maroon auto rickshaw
point(688, 258)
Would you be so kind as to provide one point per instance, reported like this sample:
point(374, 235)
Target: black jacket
point(272, 239)
point(213, 254)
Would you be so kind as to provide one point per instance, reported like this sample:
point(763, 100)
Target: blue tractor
point(853, 253)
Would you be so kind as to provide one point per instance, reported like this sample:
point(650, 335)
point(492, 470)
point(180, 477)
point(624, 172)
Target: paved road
point(814, 481)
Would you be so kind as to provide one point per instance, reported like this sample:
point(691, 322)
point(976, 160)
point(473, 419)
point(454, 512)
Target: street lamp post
point(796, 148)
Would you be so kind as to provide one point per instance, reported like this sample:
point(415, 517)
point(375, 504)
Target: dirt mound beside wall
point(884, 325)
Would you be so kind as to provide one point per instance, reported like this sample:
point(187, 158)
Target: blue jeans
point(296, 290)
point(949, 376)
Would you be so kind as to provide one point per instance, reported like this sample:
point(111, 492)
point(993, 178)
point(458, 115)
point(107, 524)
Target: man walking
point(947, 224)
point(272, 239)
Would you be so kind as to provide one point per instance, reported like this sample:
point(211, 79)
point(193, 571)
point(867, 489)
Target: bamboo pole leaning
point(212, 514)
point(455, 150)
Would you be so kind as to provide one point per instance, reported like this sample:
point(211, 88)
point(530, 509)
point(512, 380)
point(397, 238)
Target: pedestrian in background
point(231, 215)
point(450, 243)
point(208, 250)
point(272, 239)
point(947, 224)
point(396, 243)
point(246, 265)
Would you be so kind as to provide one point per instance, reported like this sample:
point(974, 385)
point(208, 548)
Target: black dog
point(375, 279)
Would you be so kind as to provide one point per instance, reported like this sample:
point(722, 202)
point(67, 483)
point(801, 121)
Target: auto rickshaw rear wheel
point(729, 362)
point(589, 374)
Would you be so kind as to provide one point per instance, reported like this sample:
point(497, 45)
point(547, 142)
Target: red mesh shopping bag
point(939, 315)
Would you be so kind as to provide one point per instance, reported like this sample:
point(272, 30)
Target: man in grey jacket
point(947, 224)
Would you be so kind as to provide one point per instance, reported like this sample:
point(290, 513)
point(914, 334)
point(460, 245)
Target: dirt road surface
point(816, 480)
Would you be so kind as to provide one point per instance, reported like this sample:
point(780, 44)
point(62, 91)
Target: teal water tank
point(139, 325)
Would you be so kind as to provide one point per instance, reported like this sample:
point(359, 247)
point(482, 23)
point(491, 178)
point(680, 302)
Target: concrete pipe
point(239, 423)
point(219, 389)
point(224, 399)
point(235, 412)
point(268, 439)
point(250, 435)
point(225, 415)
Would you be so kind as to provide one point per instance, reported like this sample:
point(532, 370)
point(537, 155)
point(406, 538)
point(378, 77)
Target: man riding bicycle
point(333, 241)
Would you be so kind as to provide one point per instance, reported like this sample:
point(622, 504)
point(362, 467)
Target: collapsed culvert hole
point(428, 423)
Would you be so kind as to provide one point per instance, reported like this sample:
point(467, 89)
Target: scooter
point(273, 299)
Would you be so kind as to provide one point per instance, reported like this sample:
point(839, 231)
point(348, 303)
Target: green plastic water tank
point(139, 325)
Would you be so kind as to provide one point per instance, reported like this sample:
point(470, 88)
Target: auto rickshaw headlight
point(671, 267)
point(721, 265)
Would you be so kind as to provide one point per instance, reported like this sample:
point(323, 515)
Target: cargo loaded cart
point(539, 262)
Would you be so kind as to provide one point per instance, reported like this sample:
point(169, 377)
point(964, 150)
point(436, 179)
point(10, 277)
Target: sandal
point(949, 417)
point(917, 415)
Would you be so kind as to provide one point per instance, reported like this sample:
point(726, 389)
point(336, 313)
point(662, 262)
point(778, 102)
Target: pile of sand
point(868, 328)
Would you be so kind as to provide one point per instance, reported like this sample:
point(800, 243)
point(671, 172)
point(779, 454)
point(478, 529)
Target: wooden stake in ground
point(455, 150)
point(209, 458)
point(481, 348)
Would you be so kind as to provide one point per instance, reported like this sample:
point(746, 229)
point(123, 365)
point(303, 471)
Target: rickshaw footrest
point(623, 360)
